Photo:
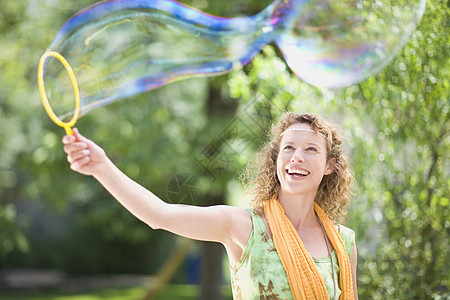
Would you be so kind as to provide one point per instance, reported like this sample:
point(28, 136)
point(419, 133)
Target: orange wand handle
point(67, 125)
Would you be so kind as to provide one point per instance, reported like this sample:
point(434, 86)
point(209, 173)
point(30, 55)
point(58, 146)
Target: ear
point(329, 168)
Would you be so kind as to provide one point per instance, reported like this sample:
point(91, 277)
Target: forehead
point(301, 132)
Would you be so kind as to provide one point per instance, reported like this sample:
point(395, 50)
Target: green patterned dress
point(259, 275)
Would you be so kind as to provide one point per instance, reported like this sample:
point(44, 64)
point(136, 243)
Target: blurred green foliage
point(396, 127)
point(171, 292)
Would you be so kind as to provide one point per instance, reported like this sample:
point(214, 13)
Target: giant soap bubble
point(120, 48)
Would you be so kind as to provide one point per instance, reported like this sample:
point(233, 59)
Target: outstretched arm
point(216, 223)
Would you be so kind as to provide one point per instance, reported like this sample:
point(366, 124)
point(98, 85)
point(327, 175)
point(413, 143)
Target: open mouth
point(297, 173)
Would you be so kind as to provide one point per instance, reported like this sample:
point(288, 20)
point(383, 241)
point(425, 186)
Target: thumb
point(78, 135)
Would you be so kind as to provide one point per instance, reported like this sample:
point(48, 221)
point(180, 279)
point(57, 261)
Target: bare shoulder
point(239, 222)
point(240, 228)
point(231, 213)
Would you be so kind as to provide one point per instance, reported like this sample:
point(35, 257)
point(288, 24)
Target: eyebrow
point(314, 144)
point(308, 143)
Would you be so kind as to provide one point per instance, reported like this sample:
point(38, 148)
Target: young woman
point(287, 245)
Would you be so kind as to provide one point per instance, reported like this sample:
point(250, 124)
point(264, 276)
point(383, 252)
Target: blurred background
point(63, 237)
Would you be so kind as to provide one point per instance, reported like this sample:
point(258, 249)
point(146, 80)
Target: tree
point(408, 105)
point(34, 172)
point(397, 128)
point(396, 125)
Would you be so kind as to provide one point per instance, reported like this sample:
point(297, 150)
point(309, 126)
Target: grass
point(171, 292)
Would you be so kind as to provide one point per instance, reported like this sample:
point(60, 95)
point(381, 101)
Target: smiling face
point(302, 161)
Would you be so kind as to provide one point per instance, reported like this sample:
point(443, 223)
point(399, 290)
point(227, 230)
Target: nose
point(297, 156)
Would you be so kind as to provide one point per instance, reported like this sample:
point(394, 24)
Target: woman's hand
point(84, 155)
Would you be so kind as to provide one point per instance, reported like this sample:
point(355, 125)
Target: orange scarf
point(305, 280)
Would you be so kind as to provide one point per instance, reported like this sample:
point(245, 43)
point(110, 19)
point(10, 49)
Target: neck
point(299, 209)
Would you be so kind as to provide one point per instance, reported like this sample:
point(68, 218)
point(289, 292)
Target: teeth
point(298, 172)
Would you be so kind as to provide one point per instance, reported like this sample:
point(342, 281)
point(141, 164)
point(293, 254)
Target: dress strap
point(258, 224)
point(348, 238)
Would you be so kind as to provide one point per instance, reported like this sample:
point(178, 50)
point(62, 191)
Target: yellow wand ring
point(67, 125)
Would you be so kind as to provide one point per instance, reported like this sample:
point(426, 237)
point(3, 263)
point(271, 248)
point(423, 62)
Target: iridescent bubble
point(121, 48)
point(335, 44)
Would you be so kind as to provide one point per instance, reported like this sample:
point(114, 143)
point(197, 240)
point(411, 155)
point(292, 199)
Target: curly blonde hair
point(335, 190)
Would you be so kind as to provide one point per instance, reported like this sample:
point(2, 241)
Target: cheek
point(280, 167)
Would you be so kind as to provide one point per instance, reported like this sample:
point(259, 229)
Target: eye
point(313, 149)
point(288, 147)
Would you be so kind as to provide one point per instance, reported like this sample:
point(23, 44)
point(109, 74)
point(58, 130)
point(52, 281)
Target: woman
point(287, 246)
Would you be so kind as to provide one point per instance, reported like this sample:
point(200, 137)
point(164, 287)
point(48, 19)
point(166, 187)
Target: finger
point(74, 147)
point(77, 155)
point(78, 164)
point(78, 136)
point(67, 139)
point(71, 148)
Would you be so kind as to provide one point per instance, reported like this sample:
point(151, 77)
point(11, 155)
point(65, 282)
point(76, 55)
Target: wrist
point(103, 169)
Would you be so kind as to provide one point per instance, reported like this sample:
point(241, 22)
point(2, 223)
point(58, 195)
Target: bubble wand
point(67, 125)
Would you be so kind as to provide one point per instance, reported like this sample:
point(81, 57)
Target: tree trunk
point(212, 256)
point(219, 108)
point(212, 278)
point(168, 269)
